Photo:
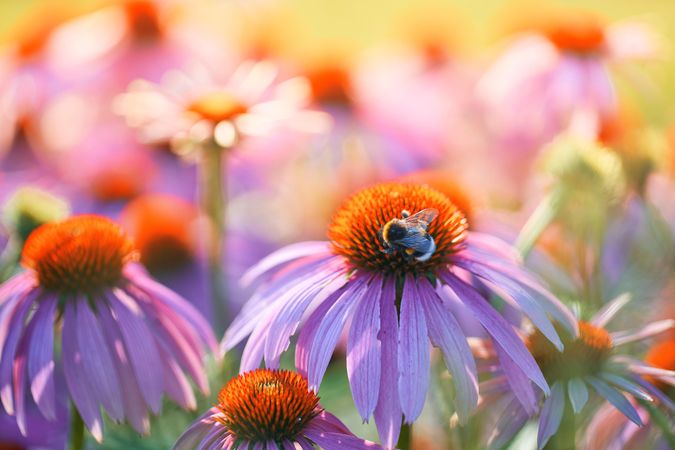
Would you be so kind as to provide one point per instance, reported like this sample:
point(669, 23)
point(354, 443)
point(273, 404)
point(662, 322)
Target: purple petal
point(518, 381)
point(161, 294)
point(19, 377)
point(490, 244)
point(328, 422)
point(615, 398)
point(388, 412)
point(527, 304)
point(500, 330)
point(328, 332)
point(255, 346)
point(176, 383)
point(305, 444)
point(551, 415)
point(510, 422)
point(627, 385)
point(135, 409)
point(578, 394)
point(195, 433)
point(76, 378)
point(294, 303)
point(282, 256)
point(41, 359)
point(608, 312)
point(337, 441)
point(97, 362)
point(11, 328)
point(363, 350)
point(413, 353)
point(265, 296)
point(645, 332)
point(309, 329)
point(140, 346)
point(446, 334)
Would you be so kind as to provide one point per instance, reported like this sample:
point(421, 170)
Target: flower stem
point(213, 203)
point(542, 216)
point(405, 438)
point(565, 437)
point(76, 430)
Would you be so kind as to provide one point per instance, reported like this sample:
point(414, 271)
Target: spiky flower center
point(161, 228)
point(267, 405)
point(585, 355)
point(578, 34)
point(217, 106)
point(81, 254)
point(356, 228)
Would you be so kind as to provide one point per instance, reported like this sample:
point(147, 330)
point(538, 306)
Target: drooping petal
point(76, 378)
point(518, 381)
point(363, 350)
point(294, 303)
point(252, 355)
point(176, 383)
point(140, 345)
point(616, 398)
point(627, 386)
point(284, 255)
point(328, 332)
point(649, 330)
point(135, 408)
point(388, 412)
point(413, 353)
point(500, 330)
point(578, 394)
point(337, 441)
point(97, 362)
point(446, 334)
point(510, 422)
point(551, 415)
point(610, 310)
point(309, 329)
point(41, 359)
point(19, 377)
point(11, 327)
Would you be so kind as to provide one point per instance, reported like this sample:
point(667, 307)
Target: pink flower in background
point(555, 80)
point(190, 107)
point(124, 340)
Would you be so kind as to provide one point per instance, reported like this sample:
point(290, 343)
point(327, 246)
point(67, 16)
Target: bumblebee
point(409, 235)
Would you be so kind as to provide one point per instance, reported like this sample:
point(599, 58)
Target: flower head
point(268, 409)
point(397, 301)
point(592, 359)
point(191, 108)
point(125, 340)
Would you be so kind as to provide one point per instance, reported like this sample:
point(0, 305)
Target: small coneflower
point(269, 410)
point(191, 108)
point(396, 299)
point(83, 305)
point(590, 361)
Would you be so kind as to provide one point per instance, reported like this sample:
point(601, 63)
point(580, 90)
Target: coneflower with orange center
point(592, 359)
point(398, 295)
point(268, 410)
point(84, 306)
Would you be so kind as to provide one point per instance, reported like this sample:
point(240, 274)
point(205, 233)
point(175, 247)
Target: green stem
point(542, 216)
point(76, 430)
point(405, 438)
point(213, 202)
point(565, 437)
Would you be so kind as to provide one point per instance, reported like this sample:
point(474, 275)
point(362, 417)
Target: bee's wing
point(415, 239)
point(422, 219)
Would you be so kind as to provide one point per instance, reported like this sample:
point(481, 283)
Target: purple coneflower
point(588, 361)
point(124, 339)
point(269, 410)
point(396, 304)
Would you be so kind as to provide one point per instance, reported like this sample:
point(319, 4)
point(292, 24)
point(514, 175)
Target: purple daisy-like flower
point(588, 361)
point(85, 307)
point(269, 410)
point(396, 301)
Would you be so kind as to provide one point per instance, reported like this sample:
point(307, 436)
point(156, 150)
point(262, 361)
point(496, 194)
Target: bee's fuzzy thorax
point(364, 220)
